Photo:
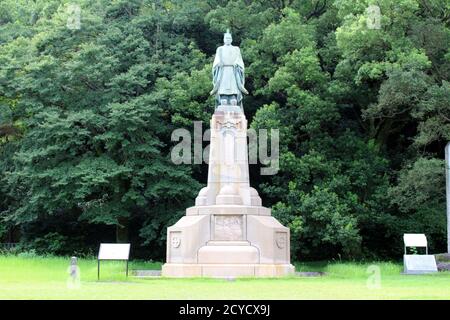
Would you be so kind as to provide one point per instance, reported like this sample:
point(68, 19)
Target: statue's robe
point(228, 72)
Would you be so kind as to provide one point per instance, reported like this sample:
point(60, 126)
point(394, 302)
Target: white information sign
point(114, 251)
point(415, 240)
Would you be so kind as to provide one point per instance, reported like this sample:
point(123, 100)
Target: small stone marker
point(146, 273)
point(419, 263)
point(73, 268)
point(73, 280)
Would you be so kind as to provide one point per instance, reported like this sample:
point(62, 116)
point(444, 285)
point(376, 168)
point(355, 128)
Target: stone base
point(218, 254)
point(419, 264)
point(227, 270)
point(228, 239)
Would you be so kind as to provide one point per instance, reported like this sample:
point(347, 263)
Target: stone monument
point(228, 232)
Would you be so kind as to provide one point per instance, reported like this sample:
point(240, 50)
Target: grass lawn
point(45, 278)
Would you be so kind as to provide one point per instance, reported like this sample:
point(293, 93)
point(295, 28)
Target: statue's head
point(227, 39)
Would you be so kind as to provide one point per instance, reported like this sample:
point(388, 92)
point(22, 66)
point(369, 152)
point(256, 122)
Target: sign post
point(447, 179)
point(113, 251)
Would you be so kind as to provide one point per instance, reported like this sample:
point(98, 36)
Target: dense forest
point(87, 112)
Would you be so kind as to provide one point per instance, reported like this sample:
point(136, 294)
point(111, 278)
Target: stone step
point(244, 269)
point(146, 273)
point(228, 254)
point(228, 271)
point(310, 274)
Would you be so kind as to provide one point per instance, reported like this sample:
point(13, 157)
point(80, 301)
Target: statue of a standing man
point(228, 74)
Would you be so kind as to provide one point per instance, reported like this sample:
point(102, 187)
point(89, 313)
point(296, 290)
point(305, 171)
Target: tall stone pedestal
point(228, 233)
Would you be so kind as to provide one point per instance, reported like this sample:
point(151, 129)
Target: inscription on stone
point(228, 228)
point(420, 263)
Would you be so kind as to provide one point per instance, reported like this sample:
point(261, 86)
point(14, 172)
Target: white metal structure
point(415, 240)
point(113, 251)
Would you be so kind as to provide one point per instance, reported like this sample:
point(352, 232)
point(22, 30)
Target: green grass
point(45, 278)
